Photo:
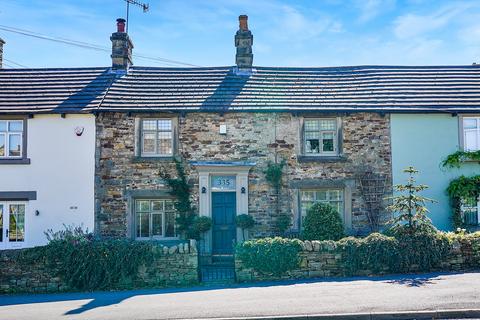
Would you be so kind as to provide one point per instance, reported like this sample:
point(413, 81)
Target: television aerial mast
point(144, 6)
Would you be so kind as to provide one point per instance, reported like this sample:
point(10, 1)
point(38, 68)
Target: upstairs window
point(321, 136)
point(11, 139)
point(471, 133)
point(156, 137)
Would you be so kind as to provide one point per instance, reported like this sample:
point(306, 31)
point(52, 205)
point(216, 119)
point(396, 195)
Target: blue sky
point(286, 33)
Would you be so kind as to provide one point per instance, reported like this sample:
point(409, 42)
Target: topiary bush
point(273, 256)
point(322, 222)
point(244, 222)
point(200, 226)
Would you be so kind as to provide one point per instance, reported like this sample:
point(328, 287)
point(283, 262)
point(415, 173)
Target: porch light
point(204, 190)
point(242, 190)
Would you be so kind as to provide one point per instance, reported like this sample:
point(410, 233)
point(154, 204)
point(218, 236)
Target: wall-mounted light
point(243, 190)
point(204, 190)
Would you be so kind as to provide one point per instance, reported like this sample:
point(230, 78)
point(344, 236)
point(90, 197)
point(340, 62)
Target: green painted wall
point(424, 140)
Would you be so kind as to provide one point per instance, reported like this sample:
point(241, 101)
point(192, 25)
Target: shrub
point(244, 222)
point(377, 252)
point(322, 222)
point(91, 264)
point(282, 223)
point(270, 255)
point(423, 250)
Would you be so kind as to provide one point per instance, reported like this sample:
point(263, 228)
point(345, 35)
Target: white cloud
point(412, 25)
point(370, 9)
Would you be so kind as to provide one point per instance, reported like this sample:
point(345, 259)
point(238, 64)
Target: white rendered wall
point(61, 171)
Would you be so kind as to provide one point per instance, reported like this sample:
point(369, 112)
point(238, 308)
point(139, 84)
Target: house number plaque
point(223, 183)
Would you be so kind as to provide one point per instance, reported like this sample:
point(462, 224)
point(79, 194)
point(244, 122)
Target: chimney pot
point(121, 25)
point(243, 22)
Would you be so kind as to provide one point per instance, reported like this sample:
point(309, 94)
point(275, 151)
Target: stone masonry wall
point(176, 267)
point(257, 137)
point(321, 259)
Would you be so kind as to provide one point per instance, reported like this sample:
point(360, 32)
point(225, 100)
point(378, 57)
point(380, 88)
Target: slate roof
point(149, 89)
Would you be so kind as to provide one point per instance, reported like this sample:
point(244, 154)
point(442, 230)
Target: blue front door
point(223, 214)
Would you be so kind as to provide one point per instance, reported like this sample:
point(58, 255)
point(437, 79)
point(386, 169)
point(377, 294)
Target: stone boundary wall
point(177, 266)
point(322, 259)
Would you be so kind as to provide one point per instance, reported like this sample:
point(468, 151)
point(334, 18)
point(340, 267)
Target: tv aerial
point(144, 6)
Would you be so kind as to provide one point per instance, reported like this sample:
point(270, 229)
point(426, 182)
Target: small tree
point(410, 206)
point(323, 222)
point(244, 222)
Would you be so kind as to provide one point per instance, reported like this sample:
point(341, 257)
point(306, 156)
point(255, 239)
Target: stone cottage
point(227, 125)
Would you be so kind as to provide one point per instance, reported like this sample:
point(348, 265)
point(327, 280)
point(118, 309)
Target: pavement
point(389, 297)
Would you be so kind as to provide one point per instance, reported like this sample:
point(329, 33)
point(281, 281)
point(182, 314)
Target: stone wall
point(176, 267)
point(322, 259)
point(257, 137)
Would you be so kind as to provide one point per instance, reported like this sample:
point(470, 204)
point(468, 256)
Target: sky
point(303, 33)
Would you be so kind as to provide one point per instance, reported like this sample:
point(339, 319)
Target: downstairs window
point(154, 219)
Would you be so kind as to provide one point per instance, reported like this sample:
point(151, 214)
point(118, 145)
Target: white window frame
point(6, 243)
point(463, 209)
point(328, 201)
point(321, 132)
point(156, 153)
point(465, 130)
point(7, 133)
point(150, 220)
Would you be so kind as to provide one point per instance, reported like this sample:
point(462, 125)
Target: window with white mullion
point(11, 138)
point(154, 219)
point(320, 136)
point(471, 133)
point(157, 137)
point(470, 208)
point(333, 197)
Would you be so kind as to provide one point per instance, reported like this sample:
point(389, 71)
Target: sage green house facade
point(423, 141)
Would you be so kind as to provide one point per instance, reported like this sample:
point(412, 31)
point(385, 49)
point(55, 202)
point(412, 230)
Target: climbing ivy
point(462, 187)
point(181, 190)
point(454, 160)
point(274, 174)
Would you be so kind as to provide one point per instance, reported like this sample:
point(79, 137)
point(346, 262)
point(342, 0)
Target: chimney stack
point(244, 42)
point(1, 52)
point(121, 47)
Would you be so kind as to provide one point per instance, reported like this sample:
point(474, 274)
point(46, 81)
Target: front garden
point(409, 243)
point(77, 261)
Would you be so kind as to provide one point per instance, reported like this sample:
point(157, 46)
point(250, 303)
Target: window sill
point(15, 161)
point(139, 159)
point(304, 158)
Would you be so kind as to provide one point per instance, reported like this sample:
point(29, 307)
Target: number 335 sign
point(223, 182)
